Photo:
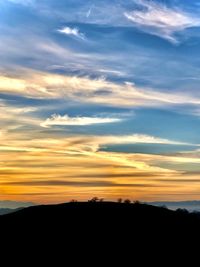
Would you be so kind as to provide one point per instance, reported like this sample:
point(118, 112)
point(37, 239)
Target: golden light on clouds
point(43, 162)
point(59, 169)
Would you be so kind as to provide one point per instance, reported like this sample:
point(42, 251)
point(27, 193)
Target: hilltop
point(106, 215)
point(99, 227)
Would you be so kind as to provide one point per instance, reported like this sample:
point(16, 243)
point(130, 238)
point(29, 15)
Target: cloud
point(15, 117)
point(22, 2)
point(94, 183)
point(160, 20)
point(6, 109)
point(89, 12)
point(173, 159)
point(179, 180)
point(137, 138)
point(48, 162)
point(72, 31)
point(91, 147)
point(81, 143)
point(43, 85)
point(76, 121)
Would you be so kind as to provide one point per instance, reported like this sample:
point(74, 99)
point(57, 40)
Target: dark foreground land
point(99, 228)
point(119, 217)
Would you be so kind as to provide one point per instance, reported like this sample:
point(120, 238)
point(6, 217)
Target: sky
point(99, 98)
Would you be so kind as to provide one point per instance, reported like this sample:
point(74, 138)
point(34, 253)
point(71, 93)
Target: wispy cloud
point(85, 89)
point(89, 12)
point(93, 184)
point(14, 117)
point(23, 2)
point(38, 157)
point(78, 143)
point(72, 31)
point(65, 120)
point(160, 20)
point(137, 138)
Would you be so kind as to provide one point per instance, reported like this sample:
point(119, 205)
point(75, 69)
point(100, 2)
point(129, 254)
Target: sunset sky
point(99, 98)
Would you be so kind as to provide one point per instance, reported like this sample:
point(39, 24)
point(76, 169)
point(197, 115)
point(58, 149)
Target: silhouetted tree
point(119, 200)
point(73, 201)
point(127, 201)
point(94, 200)
point(137, 202)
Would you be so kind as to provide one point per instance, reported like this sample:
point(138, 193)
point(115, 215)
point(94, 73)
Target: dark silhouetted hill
point(108, 215)
point(98, 229)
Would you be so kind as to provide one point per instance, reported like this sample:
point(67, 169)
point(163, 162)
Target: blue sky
point(106, 81)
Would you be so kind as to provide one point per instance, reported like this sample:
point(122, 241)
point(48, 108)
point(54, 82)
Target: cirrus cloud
point(160, 20)
point(41, 85)
point(72, 31)
point(65, 120)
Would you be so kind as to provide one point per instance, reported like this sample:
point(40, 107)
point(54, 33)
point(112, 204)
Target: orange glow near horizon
point(54, 176)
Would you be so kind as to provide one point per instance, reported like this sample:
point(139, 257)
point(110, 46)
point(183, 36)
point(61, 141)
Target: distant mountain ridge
point(6, 211)
point(8, 204)
point(191, 206)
